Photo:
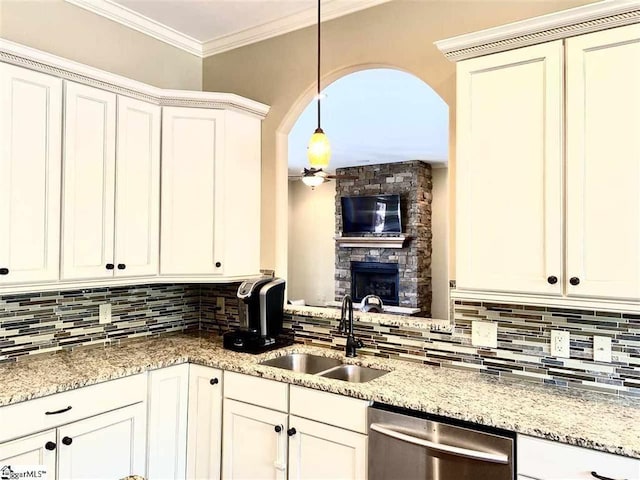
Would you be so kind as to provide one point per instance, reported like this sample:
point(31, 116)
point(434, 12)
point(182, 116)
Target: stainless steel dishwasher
point(408, 445)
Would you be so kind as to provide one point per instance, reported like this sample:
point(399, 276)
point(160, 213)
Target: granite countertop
point(588, 419)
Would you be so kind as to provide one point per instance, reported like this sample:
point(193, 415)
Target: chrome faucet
point(346, 326)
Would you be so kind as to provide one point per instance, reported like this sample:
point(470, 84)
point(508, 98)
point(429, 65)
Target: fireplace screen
point(375, 278)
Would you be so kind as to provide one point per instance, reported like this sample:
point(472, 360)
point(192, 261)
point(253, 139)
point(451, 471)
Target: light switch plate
point(105, 313)
point(484, 334)
point(602, 349)
point(560, 344)
point(220, 305)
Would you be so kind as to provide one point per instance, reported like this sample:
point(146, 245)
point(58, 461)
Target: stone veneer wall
point(413, 182)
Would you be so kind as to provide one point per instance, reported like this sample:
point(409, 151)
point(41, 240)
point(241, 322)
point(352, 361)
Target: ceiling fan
point(313, 177)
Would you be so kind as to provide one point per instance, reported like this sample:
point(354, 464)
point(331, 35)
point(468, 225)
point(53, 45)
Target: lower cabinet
point(279, 443)
point(544, 460)
point(108, 446)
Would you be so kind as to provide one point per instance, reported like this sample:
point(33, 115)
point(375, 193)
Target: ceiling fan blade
point(343, 177)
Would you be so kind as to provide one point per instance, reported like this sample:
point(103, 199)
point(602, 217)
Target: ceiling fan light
point(313, 180)
point(319, 150)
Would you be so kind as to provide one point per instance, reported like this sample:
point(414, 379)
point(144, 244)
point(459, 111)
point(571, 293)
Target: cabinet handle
point(4, 271)
point(278, 428)
point(574, 281)
point(214, 381)
point(291, 432)
point(600, 477)
point(50, 445)
point(552, 279)
point(67, 440)
point(280, 463)
point(218, 264)
point(121, 266)
point(56, 412)
point(109, 266)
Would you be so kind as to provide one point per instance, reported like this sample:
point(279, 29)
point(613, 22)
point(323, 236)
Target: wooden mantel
point(376, 242)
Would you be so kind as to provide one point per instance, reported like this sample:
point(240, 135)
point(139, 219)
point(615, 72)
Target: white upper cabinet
point(603, 164)
point(137, 215)
point(509, 171)
point(30, 162)
point(111, 195)
point(89, 175)
point(210, 207)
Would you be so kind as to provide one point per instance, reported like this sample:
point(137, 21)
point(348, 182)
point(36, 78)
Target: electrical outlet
point(484, 334)
point(220, 305)
point(560, 344)
point(602, 349)
point(105, 313)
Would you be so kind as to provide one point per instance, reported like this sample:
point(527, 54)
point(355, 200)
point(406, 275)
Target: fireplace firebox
point(375, 278)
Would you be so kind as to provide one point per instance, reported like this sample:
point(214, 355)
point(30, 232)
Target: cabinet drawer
point(258, 391)
point(329, 408)
point(542, 459)
point(31, 416)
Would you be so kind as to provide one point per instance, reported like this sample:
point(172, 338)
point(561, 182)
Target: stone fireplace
point(410, 258)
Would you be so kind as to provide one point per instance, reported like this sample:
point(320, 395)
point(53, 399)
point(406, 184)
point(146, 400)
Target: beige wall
point(440, 244)
point(312, 220)
point(280, 71)
point(68, 31)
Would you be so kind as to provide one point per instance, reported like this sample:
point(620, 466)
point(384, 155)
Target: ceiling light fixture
point(319, 150)
point(313, 180)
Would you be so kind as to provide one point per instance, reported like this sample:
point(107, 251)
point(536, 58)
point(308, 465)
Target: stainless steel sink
point(303, 363)
point(354, 373)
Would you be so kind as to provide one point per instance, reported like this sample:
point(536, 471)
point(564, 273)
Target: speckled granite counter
point(591, 420)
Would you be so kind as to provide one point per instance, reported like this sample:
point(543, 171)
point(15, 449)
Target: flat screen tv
point(371, 214)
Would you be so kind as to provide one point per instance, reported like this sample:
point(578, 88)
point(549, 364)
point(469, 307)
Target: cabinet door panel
point(137, 188)
point(603, 163)
point(204, 439)
point(89, 169)
point(30, 451)
point(509, 167)
point(252, 447)
point(107, 446)
point(168, 394)
point(30, 163)
point(192, 195)
point(319, 451)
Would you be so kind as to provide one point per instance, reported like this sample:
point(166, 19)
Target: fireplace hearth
point(375, 278)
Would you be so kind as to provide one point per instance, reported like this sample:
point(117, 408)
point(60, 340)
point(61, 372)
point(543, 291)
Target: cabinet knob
point(109, 266)
point(278, 428)
point(291, 432)
point(67, 440)
point(4, 271)
point(50, 445)
point(218, 264)
point(574, 281)
point(214, 381)
point(552, 279)
point(121, 266)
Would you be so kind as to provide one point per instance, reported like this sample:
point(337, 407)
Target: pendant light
point(319, 150)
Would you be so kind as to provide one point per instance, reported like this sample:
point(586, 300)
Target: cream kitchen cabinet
point(291, 432)
point(110, 223)
point(92, 432)
point(544, 460)
point(532, 220)
point(30, 165)
point(210, 214)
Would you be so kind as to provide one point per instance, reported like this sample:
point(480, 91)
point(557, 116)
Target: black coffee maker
point(261, 312)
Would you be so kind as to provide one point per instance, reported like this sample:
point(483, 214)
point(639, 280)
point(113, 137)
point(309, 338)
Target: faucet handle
point(359, 343)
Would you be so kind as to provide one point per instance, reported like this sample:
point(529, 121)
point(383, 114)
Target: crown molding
point(125, 16)
point(136, 21)
point(21, 55)
point(554, 26)
point(330, 9)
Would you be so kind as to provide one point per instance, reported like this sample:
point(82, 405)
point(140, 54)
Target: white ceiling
point(375, 116)
point(207, 27)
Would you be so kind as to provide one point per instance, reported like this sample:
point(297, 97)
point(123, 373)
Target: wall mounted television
point(371, 214)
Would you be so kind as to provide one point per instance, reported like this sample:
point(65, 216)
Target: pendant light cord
point(318, 86)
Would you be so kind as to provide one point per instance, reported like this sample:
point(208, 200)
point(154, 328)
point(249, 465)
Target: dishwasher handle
point(458, 451)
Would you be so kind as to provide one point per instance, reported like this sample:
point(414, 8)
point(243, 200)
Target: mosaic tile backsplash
point(40, 322)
